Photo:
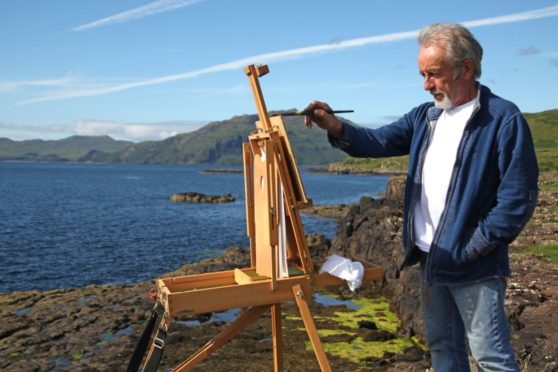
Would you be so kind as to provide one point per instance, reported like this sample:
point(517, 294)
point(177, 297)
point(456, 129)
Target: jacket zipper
point(410, 221)
point(451, 187)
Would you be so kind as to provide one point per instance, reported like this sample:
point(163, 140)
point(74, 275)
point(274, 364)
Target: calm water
point(70, 225)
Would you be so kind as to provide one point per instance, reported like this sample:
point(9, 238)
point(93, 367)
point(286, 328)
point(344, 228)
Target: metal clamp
point(158, 343)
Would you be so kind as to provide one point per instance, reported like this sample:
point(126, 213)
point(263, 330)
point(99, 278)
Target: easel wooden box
point(274, 194)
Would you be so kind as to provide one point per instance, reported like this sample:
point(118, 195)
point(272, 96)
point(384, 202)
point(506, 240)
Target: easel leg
point(277, 337)
point(238, 325)
point(311, 328)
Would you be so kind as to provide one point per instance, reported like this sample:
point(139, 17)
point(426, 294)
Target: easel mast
point(287, 177)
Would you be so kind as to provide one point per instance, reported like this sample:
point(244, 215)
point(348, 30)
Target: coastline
point(354, 171)
point(96, 327)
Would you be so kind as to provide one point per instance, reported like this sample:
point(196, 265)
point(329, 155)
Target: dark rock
point(411, 354)
point(377, 335)
point(372, 231)
point(346, 337)
point(331, 211)
point(195, 197)
point(366, 324)
point(225, 171)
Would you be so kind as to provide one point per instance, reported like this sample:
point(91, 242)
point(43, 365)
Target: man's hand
point(322, 119)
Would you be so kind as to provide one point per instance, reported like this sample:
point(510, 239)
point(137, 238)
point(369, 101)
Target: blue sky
point(141, 70)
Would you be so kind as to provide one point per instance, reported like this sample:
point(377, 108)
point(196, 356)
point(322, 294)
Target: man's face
point(439, 76)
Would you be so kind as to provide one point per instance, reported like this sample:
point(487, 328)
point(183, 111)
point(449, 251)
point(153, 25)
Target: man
point(471, 187)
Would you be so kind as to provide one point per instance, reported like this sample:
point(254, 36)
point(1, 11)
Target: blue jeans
point(473, 312)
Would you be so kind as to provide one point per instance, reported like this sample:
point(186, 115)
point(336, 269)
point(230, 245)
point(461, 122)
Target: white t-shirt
point(437, 170)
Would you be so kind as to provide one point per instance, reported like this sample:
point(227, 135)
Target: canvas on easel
point(281, 268)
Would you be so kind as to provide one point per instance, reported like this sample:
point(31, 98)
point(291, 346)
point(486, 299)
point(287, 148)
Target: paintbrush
point(311, 112)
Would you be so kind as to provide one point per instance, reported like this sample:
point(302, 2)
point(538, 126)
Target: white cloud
point(126, 131)
point(288, 55)
point(155, 7)
point(6, 86)
point(69, 83)
point(134, 132)
point(51, 128)
point(529, 51)
point(550, 11)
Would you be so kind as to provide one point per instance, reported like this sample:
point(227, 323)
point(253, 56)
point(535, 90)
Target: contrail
point(294, 54)
point(155, 7)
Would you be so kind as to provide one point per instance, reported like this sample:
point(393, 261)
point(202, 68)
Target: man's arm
point(390, 140)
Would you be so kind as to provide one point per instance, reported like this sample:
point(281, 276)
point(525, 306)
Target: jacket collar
point(433, 113)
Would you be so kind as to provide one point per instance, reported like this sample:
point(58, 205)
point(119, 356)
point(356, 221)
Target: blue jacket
point(492, 191)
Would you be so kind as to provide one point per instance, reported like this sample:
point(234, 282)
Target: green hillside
point(543, 125)
point(67, 149)
point(221, 143)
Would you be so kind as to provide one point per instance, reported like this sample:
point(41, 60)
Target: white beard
point(445, 103)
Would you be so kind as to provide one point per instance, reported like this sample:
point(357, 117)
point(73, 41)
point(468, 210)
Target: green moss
point(375, 310)
point(333, 332)
point(15, 356)
point(77, 357)
point(358, 349)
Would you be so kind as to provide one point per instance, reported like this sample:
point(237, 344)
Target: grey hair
point(460, 44)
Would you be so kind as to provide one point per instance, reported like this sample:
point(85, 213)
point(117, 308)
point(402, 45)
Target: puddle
point(60, 363)
point(83, 300)
point(227, 316)
point(331, 300)
point(109, 337)
point(23, 311)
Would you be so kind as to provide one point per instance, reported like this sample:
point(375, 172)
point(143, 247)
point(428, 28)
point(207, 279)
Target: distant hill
point(220, 143)
point(543, 125)
point(67, 149)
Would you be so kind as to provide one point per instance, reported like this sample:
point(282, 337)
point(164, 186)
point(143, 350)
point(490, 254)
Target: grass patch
point(549, 187)
point(550, 252)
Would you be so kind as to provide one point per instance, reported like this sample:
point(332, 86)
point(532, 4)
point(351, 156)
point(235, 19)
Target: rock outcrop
point(372, 230)
point(195, 197)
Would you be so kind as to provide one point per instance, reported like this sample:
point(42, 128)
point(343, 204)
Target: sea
point(67, 225)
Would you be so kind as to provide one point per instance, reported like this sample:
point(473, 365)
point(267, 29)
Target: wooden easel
point(281, 268)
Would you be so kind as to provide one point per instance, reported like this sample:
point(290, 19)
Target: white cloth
point(346, 269)
point(437, 170)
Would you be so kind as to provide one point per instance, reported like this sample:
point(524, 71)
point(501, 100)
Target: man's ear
point(468, 69)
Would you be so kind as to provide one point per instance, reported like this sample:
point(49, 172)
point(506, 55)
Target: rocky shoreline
point(95, 328)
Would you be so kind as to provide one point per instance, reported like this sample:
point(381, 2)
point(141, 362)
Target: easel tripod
point(281, 268)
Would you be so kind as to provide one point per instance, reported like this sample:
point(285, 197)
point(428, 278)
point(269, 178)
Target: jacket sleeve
point(390, 140)
point(517, 191)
